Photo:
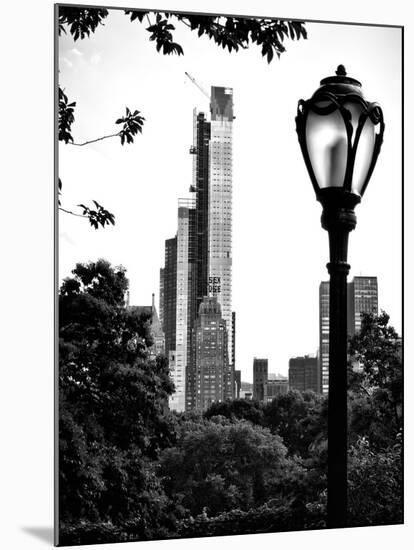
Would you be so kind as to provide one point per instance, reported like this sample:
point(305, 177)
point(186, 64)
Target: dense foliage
point(131, 470)
point(113, 421)
point(227, 465)
point(233, 33)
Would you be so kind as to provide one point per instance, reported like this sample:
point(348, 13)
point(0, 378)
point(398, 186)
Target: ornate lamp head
point(340, 135)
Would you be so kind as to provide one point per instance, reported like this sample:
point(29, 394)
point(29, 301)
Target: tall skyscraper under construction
point(203, 252)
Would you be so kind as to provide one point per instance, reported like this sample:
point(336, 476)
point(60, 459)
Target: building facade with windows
point(210, 354)
point(161, 303)
point(324, 336)
point(169, 293)
point(220, 212)
point(362, 297)
point(304, 374)
point(260, 377)
point(184, 277)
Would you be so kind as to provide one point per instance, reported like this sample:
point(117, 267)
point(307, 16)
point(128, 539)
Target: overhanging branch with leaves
point(231, 33)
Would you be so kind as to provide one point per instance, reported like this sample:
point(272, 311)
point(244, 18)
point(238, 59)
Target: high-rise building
point(203, 249)
point(201, 171)
point(324, 336)
point(260, 370)
point(362, 297)
point(210, 353)
point(220, 209)
point(170, 294)
point(231, 386)
point(185, 269)
point(161, 303)
point(233, 339)
point(304, 374)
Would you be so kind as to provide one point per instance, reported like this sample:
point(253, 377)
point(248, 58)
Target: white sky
point(279, 247)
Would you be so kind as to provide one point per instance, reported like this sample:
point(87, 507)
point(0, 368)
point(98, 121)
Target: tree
point(233, 33)
point(375, 484)
point(226, 465)
point(113, 421)
point(375, 381)
point(375, 416)
point(237, 409)
point(377, 349)
point(300, 419)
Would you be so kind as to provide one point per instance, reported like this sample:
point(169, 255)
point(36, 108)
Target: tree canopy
point(225, 465)
point(375, 381)
point(375, 421)
point(233, 33)
point(112, 403)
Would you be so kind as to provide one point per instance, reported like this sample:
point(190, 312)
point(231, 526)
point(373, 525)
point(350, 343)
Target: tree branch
point(73, 213)
point(94, 140)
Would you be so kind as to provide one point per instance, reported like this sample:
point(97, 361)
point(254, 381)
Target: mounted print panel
point(229, 201)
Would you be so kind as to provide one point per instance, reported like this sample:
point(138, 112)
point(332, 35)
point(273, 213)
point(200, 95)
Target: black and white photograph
point(229, 274)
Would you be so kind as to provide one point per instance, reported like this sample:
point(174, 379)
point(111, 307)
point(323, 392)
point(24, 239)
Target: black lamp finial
point(341, 71)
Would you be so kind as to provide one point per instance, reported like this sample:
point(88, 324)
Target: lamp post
point(340, 135)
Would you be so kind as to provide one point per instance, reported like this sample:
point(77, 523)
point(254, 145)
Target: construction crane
point(194, 81)
point(193, 150)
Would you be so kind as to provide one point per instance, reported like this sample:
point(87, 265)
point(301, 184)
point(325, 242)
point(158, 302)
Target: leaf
point(269, 55)
point(81, 21)
point(135, 14)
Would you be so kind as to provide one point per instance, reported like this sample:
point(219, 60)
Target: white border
point(26, 218)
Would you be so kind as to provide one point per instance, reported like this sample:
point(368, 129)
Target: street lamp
point(340, 135)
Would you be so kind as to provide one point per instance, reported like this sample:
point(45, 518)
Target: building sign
point(214, 285)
